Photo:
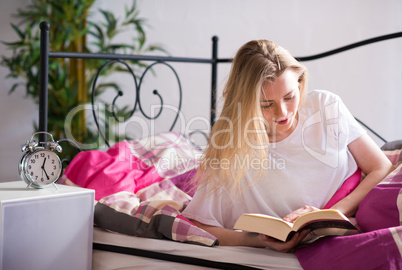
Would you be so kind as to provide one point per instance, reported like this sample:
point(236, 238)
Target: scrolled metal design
point(155, 92)
point(137, 100)
point(119, 94)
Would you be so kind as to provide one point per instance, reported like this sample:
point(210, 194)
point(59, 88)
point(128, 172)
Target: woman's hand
point(284, 246)
point(301, 211)
point(228, 237)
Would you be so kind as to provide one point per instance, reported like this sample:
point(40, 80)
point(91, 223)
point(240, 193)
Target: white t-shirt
point(306, 168)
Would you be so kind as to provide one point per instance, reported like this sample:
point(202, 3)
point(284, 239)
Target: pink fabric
point(112, 171)
point(185, 183)
point(382, 207)
point(380, 247)
point(347, 187)
point(394, 156)
point(371, 250)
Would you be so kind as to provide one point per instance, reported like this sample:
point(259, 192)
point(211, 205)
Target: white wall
point(368, 79)
point(17, 113)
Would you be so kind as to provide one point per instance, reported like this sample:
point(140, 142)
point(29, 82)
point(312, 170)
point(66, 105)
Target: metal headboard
point(121, 58)
point(118, 58)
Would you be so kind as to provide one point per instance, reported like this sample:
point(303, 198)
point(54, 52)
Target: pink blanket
point(134, 165)
point(141, 187)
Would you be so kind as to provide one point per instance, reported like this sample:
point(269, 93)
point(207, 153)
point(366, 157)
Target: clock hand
point(43, 165)
point(45, 173)
point(43, 168)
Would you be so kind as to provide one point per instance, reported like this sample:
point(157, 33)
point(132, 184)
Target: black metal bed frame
point(113, 58)
point(45, 54)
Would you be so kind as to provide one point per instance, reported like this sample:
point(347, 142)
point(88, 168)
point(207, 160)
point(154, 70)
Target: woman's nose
point(281, 110)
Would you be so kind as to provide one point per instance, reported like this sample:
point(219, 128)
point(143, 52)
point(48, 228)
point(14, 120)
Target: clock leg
point(54, 184)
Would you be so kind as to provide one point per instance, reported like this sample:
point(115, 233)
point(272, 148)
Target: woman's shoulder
point(322, 95)
point(318, 99)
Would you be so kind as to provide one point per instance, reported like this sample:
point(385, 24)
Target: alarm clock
point(40, 166)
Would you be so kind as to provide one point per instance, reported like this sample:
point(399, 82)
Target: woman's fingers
point(285, 246)
point(297, 213)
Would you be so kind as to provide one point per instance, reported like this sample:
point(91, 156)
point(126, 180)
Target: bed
point(138, 223)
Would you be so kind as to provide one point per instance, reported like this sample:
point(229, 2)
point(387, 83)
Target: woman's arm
point(372, 161)
point(229, 237)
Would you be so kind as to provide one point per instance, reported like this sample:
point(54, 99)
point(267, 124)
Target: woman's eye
point(267, 106)
point(290, 98)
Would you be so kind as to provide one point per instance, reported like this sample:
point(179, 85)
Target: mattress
point(156, 254)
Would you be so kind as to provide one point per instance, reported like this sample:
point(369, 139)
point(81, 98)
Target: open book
point(322, 222)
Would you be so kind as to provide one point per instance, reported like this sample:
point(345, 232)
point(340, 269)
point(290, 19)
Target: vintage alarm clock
point(40, 166)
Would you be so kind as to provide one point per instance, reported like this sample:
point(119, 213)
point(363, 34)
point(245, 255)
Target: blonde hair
point(240, 131)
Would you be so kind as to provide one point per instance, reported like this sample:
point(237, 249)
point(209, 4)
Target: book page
point(319, 217)
point(263, 224)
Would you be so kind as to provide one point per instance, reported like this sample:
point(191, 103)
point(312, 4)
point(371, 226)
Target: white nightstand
point(45, 228)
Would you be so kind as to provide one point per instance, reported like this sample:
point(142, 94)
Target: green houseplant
point(71, 29)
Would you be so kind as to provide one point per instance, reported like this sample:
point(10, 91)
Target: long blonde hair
point(240, 131)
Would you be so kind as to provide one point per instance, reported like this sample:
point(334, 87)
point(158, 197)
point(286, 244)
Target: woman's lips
point(282, 122)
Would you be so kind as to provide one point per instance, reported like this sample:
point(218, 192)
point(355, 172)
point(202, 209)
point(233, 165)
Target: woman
point(278, 150)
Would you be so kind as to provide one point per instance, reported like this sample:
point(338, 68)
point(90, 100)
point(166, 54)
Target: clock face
point(43, 167)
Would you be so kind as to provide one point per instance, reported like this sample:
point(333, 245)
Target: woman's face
point(279, 103)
